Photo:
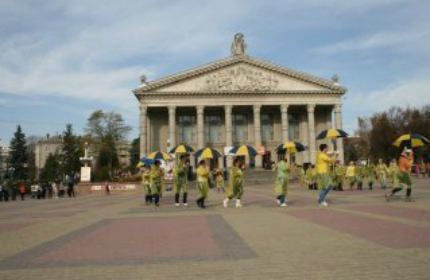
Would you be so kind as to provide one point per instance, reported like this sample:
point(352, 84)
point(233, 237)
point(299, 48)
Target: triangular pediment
point(240, 73)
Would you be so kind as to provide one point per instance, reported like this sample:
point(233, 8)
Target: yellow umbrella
point(411, 141)
point(182, 149)
point(209, 153)
point(159, 155)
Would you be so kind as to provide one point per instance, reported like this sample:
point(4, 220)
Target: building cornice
point(207, 68)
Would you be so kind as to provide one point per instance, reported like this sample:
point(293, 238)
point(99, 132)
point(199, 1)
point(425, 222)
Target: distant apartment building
point(45, 147)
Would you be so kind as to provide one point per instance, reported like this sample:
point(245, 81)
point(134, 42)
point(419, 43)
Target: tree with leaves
point(107, 159)
point(52, 170)
point(105, 129)
point(18, 156)
point(71, 151)
point(378, 133)
point(134, 153)
point(101, 124)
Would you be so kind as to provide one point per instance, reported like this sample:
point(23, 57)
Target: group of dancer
point(326, 175)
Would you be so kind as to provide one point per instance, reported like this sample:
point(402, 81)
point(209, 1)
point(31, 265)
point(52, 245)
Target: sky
point(61, 60)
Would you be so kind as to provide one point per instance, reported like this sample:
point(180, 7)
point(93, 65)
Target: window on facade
point(293, 127)
point(213, 128)
point(267, 127)
point(240, 128)
point(186, 128)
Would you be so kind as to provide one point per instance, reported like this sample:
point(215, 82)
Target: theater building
point(239, 100)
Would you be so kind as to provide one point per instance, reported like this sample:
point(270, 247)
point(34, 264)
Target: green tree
point(107, 159)
point(51, 170)
point(379, 132)
point(18, 156)
point(105, 129)
point(134, 153)
point(71, 151)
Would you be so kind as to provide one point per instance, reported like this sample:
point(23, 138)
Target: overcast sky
point(61, 60)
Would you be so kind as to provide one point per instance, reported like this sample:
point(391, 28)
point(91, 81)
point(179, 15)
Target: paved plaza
point(359, 236)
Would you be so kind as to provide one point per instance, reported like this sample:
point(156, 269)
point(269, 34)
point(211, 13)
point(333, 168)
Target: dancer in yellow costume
point(325, 183)
point(156, 182)
point(180, 180)
point(235, 185)
point(202, 183)
point(282, 170)
point(146, 184)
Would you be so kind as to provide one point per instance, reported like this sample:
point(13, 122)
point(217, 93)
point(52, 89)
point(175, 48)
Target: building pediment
point(240, 73)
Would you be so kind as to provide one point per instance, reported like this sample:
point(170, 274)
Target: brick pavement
point(360, 236)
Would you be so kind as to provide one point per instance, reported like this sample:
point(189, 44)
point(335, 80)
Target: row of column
point(257, 128)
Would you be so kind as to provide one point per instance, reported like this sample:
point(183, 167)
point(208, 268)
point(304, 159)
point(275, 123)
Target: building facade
point(239, 100)
point(46, 147)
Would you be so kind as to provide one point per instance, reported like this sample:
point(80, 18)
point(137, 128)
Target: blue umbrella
point(145, 161)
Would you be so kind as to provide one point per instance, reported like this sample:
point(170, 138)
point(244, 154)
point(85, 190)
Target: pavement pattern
point(94, 236)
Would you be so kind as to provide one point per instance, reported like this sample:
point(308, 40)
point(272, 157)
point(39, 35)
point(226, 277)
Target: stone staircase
point(257, 177)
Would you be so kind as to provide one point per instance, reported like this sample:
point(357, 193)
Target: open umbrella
point(159, 155)
point(145, 161)
point(243, 150)
point(411, 140)
point(207, 153)
point(332, 133)
point(291, 146)
point(182, 149)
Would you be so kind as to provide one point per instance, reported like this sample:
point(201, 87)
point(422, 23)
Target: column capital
point(337, 108)
point(200, 109)
point(228, 108)
point(143, 109)
point(172, 109)
point(257, 107)
point(284, 108)
point(311, 108)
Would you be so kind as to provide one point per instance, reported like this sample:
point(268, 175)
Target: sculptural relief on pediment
point(240, 78)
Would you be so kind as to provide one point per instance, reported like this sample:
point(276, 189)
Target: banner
point(114, 187)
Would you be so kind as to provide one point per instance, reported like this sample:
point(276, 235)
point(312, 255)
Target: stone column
point(143, 129)
point(312, 137)
point(329, 125)
point(257, 133)
point(228, 131)
point(172, 126)
point(200, 127)
point(338, 125)
point(304, 132)
point(284, 118)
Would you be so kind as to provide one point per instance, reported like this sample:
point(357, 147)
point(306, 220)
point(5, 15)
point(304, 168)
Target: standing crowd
point(10, 191)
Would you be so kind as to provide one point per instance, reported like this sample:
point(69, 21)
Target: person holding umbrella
point(404, 175)
point(180, 181)
point(202, 183)
point(235, 186)
point(325, 182)
point(281, 184)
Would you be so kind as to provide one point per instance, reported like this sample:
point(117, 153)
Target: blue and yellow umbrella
point(207, 153)
point(411, 140)
point(243, 150)
point(291, 146)
point(332, 133)
point(145, 161)
point(159, 155)
point(182, 149)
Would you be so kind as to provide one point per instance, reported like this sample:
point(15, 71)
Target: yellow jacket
point(323, 162)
